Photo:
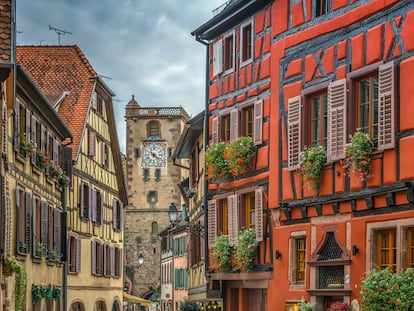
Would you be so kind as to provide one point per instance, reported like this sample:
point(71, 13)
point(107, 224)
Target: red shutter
point(386, 106)
point(336, 120)
point(258, 123)
point(214, 130)
point(294, 132)
point(92, 143)
point(258, 211)
point(93, 257)
point(17, 127)
point(29, 224)
point(234, 124)
point(217, 57)
point(212, 228)
point(233, 221)
point(94, 206)
point(78, 255)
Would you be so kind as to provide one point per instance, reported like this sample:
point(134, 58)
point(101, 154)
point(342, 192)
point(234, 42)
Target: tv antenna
point(59, 32)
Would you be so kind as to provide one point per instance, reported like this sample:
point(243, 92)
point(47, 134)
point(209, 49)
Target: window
point(367, 106)
point(154, 231)
point(318, 119)
point(386, 247)
point(105, 155)
point(74, 254)
point(249, 203)
point(97, 207)
point(194, 166)
point(247, 121)
point(223, 217)
point(170, 152)
point(246, 44)
point(370, 108)
point(152, 197)
point(410, 248)
point(229, 52)
point(300, 260)
point(24, 225)
point(146, 173)
point(137, 153)
point(157, 174)
point(117, 262)
point(97, 258)
point(91, 143)
point(107, 260)
point(153, 129)
point(84, 201)
point(117, 209)
point(181, 278)
point(322, 7)
point(225, 128)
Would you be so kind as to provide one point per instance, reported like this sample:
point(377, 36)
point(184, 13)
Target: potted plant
point(186, 305)
point(220, 255)
point(245, 250)
point(312, 160)
point(39, 250)
point(28, 147)
point(217, 167)
point(339, 306)
point(56, 292)
point(306, 306)
point(21, 279)
point(358, 156)
point(53, 255)
point(240, 154)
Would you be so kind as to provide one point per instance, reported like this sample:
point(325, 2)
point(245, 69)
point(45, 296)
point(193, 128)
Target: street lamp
point(173, 213)
point(140, 260)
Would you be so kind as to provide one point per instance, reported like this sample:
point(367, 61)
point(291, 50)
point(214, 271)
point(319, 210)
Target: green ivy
point(312, 160)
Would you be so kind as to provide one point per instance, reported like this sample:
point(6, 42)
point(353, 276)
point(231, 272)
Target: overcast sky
point(142, 47)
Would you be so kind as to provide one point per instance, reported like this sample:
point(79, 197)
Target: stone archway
point(116, 306)
point(77, 306)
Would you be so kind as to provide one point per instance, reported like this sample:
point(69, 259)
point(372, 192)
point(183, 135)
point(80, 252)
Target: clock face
point(154, 154)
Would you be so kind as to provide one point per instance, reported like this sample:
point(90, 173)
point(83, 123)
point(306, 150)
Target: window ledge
point(21, 158)
point(329, 292)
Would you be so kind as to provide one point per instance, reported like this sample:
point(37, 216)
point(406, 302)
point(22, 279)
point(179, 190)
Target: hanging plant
point(37, 294)
point(358, 156)
point(56, 292)
point(312, 160)
point(21, 279)
point(240, 154)
point(245, 251)
point(28, 147)
point(217, 167)
point(220, 255)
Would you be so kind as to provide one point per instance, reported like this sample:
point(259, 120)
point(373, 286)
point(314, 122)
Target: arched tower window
point(153, 129)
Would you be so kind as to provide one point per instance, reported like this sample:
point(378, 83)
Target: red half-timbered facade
point(338, 68)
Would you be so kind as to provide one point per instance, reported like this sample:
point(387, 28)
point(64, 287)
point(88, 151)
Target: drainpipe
point(64, 247)
point(206, 129)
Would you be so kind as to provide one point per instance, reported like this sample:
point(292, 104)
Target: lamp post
point(173, 213)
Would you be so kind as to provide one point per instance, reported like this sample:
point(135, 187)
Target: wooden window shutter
point(78, 255)
point(33, 138)
point(217, 57)
point(258, 123)
point(94, 100)
point(386, 91)
point(258, 211)
point(57, 230)
point(233, 215)
point(212, 228)
point(214, 130)
point(336, 120)
point(294, 132)
point(105, 259)
point(17, 127)
point(34, 221)
point(92, 143)
point(112, 261)
point(93, 257)
point(67, 164)
point(44, 212)
point(114, 204)
point(100, 208)
point(28, 220)
point(234, 124)
point(191, 250)
point(28, 122)
point(42, 138)
point(94, 206)
point(4, 134)
point(119, 262)
point(82, 199)
point(202, 250)
point(56, 151)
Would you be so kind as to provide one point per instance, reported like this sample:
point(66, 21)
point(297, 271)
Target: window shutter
point(33, 137)
point(28, 220)
point(89, 214)
point(217, 57)
point(103, 109)
point(336, 120)
point(67, 164)
point(234, 124)
point(28, 121)
point(258, 211)
point(42, 138)
point(114, 203)
point(93, 257)
point(56, 233)
point(112, 261)
point(212, 228)
point(214, 130)
point(17, 127)
point(4, 135)
point(81, 199)
point(294, 132)
point(105, 259)
point(94, 207)
point(44, 223)
point(386, 106)
point(92, 143)
point(119, 262)
point(56, 152)
point(100, 209)
point(233, 215)
point(78, 255)
point(34, 222)
point(258, 123)
point(94, 100)
point(202, 250)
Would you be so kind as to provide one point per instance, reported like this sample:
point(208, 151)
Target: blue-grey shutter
point(78, 255)
point(17, 127)
point(28, 220)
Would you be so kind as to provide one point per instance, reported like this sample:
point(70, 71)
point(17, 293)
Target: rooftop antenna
point(59, 32)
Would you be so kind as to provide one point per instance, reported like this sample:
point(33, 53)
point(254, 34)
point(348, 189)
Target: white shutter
point(294, 131)
point(212, 227)
point(233, 218)
point(214, 130)
point(217, 57)
point(336, 120)
point(94, 100)
point(386, 106)
point(258, 123)
point(258, 214)
point(234, 124)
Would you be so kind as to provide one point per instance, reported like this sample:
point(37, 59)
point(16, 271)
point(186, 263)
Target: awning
point(135, 299)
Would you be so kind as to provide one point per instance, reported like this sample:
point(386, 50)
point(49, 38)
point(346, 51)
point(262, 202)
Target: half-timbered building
point(97, 191)
point(238, 40)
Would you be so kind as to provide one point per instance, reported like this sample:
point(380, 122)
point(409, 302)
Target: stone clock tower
point(152, 179)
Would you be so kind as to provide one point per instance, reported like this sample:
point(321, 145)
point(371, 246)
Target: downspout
point(206, 139)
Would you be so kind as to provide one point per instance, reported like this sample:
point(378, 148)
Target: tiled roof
point(59, 69)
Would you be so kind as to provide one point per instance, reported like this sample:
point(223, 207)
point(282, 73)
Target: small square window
point(157, 174)
point(152, 197)
point(146, 173)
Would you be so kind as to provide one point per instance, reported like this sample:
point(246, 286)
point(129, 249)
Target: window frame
point(245, 60)
point(152, 130)
point(294, 259)
point(229, 53)
point(322, 12)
